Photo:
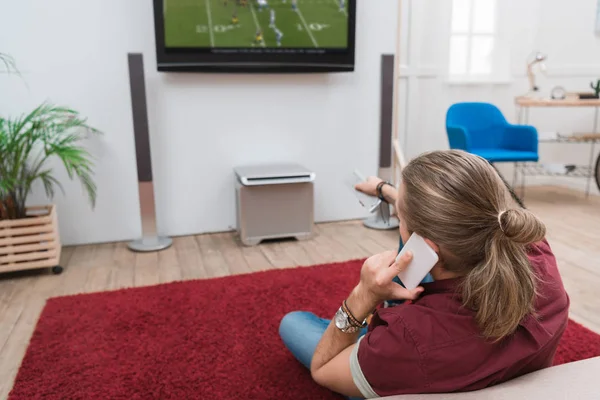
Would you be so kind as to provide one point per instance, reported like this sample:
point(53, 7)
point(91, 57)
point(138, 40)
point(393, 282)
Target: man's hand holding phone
point(376, 278)
point(376, 283)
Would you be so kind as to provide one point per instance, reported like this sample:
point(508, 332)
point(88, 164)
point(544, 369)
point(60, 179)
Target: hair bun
point(521, 226)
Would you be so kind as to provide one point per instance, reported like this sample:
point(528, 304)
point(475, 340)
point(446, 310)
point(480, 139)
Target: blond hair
point(459, 201)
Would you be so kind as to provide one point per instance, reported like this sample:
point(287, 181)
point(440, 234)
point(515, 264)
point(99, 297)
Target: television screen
point(255, 35)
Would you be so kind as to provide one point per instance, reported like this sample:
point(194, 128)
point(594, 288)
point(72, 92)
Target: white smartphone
point(424, 258)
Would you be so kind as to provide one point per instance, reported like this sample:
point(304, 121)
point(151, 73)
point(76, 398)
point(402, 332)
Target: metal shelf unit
point(575, 171)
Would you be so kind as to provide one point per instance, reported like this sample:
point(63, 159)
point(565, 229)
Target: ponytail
point(501, 290)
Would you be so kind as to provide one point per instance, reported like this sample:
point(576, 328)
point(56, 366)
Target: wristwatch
point(343, 322)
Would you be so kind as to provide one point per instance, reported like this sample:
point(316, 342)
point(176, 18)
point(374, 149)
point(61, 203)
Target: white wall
point(74, 52)
point(562, 30)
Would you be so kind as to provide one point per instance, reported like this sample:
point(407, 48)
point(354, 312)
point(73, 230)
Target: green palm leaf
point(49, 182)
point(27, 143)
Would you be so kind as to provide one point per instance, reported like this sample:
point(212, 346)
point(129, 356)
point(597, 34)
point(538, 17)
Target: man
point(258, 40)
point(272, 20)
point(278, 36)
point(445, 340)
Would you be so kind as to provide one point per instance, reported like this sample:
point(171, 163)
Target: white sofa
point(578, 380)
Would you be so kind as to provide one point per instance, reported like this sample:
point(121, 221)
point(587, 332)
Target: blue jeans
point(301, 331)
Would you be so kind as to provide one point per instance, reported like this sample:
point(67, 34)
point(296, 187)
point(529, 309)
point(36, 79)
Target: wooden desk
point(587, 171)
point(523, 101)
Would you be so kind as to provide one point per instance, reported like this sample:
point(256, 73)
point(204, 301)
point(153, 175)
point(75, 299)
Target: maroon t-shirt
point(434, 345)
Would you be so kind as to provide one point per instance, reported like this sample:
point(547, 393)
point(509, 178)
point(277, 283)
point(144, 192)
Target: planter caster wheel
point(57, 270)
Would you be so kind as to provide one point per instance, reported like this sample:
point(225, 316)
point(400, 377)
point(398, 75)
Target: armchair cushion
point(502, 155)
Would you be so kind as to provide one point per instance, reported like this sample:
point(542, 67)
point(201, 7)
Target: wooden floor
point(573, 224)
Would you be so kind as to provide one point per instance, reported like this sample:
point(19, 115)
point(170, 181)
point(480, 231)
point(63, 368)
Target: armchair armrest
point(458, 137)
point(521, 137)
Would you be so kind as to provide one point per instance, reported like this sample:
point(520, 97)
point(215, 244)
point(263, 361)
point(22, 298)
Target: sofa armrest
point(458, 137)
point(521, 137)
point(575, 380)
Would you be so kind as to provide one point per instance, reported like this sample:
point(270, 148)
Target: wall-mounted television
point(255, 35)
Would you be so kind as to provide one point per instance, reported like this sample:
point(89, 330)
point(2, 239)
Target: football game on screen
point(256, 23)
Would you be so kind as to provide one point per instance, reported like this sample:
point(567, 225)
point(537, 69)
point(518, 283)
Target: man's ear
point(434, 246)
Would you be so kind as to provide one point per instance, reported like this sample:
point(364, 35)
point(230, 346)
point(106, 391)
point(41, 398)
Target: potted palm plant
point(29, 236)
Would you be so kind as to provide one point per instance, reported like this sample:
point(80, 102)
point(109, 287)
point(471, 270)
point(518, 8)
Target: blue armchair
point(480, 128)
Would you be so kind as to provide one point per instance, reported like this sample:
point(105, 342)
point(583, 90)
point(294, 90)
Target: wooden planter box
point(32, 242)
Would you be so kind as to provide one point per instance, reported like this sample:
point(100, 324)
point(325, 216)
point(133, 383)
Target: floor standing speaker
point(150, 240)
point(382, 219)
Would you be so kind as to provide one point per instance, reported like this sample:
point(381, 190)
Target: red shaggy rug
point(208, 339)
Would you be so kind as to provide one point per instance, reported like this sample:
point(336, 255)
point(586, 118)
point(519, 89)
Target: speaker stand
point(150, 240)
point(382, 220)
point(153, 243)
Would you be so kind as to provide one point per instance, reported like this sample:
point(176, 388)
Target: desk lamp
point(538, 58)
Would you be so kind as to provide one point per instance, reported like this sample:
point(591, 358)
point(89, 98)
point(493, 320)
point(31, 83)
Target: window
point(473, 43)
